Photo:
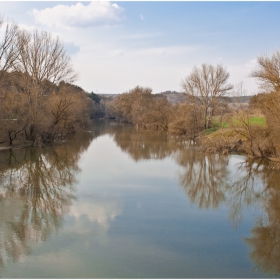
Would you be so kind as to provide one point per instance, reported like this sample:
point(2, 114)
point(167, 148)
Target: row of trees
point(205, 90)
point(40, 104)
point(38, 101)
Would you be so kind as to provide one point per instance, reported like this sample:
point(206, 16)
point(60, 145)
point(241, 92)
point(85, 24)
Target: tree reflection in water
point(143, 144)
point(265, 239)
point(208, 182)
point(204, 177)
point(36, 189)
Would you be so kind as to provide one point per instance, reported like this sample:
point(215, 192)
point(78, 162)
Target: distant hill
point(176, 97)
point(108, 95)
point(241, 99)
point(173, 97)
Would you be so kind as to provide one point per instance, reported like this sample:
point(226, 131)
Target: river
point(115, 202)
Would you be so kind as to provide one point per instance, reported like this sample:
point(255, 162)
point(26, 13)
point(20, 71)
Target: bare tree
point(208, 84)
point(269, 104)
point(13, 116)
point(132, 106)
point(268, 72)
point(42, 63)
point(268, 75)
point(160, 113)
point(8, 52)
point(66, 111)
point(44, 58)
point(187, 120)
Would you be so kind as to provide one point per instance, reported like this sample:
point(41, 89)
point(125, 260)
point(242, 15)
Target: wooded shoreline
point(41, 105)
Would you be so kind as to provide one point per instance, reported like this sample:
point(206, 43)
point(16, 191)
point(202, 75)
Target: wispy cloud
point(160, 51)
point(71, 48)
point(251, 64)
point(79, 15)
point(143, 35)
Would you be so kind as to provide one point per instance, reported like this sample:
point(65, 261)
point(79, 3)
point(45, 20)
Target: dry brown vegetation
point(204, 89)
point(140, 107)
point(206, 86)
point(38, 102)
point(201, 116)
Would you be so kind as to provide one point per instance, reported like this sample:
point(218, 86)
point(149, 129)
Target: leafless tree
point(8, 51)
point(187, 120)
point(13, 116)
point(43, 58)
point(268, 72)
point(42, 63)
point(208, 84)
point(132, 106)
point(270, 106)
point(66, 112)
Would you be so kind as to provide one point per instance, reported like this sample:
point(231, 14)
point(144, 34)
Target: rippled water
point(121, 203)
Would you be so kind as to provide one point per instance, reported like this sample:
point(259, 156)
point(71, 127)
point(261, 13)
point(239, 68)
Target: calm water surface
point(120, 203)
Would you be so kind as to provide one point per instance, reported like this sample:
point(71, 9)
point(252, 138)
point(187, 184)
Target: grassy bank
point(236, 136)
point(253, 120)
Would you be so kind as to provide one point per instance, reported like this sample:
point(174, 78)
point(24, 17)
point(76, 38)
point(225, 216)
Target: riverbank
point(17, 144)
point(229, 141)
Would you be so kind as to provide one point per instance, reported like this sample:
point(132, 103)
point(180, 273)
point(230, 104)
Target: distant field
point(253, 121)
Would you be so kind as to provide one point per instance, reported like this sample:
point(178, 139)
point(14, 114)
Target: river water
point(119, 203)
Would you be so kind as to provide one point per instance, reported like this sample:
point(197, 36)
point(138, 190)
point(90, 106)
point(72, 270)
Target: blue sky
point(115, 46)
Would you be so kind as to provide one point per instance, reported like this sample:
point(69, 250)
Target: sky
point(115, 46)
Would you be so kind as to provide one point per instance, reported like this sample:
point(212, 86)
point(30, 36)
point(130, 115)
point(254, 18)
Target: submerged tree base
point(227, 140)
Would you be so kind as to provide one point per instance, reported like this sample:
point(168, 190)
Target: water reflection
point(141, 144)
point(209, 181)
point(265, 239)
point(99, 210)
point(203, 178)
point(37, 188)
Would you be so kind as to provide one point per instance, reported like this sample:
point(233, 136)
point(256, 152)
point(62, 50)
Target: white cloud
point(239, 73)
point(71, 47)
point(29, 28)
point(161, 68)
point(101, 211)
point(160, 51)
point(143, 36)
point(79, 15)
point(251, 64)
point(141, 17)
point(172, 50)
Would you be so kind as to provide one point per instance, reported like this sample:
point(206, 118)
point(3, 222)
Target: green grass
point(227, 133)
point(253, 121)
point(210, 130)
point(257, 121)
point(216, 122)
